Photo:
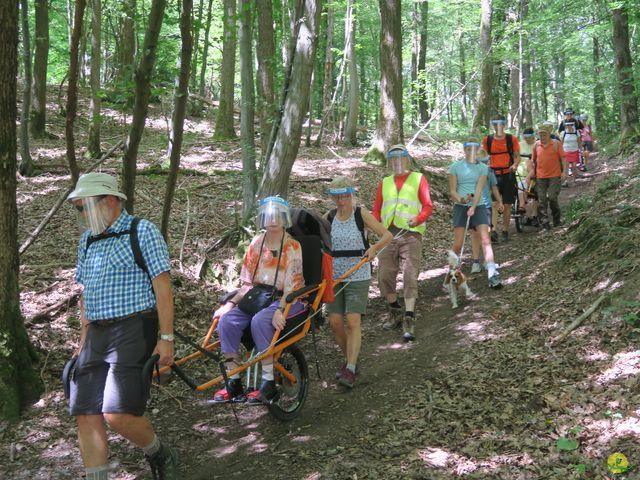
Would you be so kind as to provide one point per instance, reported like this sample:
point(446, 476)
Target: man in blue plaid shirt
point(123, 308)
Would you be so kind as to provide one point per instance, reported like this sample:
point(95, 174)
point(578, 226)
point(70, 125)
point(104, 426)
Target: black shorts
point(107, 378)
point(588, 146)
point(507, 187)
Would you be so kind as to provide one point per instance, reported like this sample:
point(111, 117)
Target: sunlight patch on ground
point(395, 346)
point(624, 365)
point(568, 249)
point(302, 439)
point(313, 476)
point(595, 355)
point(607, 285)
point(249, 440)
point(462, 465)
point(477, 330)
point(433, 273)
point(510, 280)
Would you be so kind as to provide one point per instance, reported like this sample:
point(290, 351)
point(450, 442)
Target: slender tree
point(19, 381)
point(389, 129)
point(351, 123)
point(526, 114)
point(224, 118)
point(266, 57)
point(127, 51)
point(247, 110)
point(423, 105)
point(72, 89)
point(485, 99)
point(598, 87)
point(327, 81)
point(287, 141)
point(26, 163)
point(39, 105)
point(96, 65)
point(629, 131)
point(141, 102)
point(181, 96)
point(205, 55)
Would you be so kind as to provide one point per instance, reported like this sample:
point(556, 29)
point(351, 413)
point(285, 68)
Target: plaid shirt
point(114, 285)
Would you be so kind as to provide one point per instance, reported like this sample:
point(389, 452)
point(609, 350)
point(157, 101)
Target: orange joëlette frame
point(274, 350)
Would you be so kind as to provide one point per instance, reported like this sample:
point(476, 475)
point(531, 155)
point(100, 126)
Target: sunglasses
point(81, 208)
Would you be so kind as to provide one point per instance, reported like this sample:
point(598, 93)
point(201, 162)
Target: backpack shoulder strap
point(332, 215)
point(360, 224)
point(135, 247)
point(509, 139)
point(489, 141)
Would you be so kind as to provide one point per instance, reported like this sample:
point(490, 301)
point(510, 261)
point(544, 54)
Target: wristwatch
point(167, 337)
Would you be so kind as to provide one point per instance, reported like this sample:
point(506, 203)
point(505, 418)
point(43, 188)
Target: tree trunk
point(463, 72)
point(266, 56)
point(196, 44)
point(415, 51)
point(181, 96)
point(624, 72)
point(72, 89)
point(141, 102)
point(351, 123)
point(224, 118)
point(389, 129)
point(247, 111)
point(285, 148)
point(127, 51)
point(514, 81)
point(423, 106)
point(598, 88)
point(526, 117)
point(19, 381)
point(41, 57)
point(485, 100)
point(327, 80)
point(26, 163)
point(205, 57)
point(96, 62)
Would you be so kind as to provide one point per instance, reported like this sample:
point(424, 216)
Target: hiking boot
point(394, 321)
point(495, 282)
point(535, 222)
point(164, 464)
point(267, 394)
point(347, 377)
point(408, 326)
point(476, 268)
point(494, 236)
point(505, 236)
point(234, 392)
point(558, 223)
point(341, 369)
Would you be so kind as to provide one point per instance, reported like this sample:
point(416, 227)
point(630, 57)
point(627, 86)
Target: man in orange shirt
point(550, 170)
point(504, 151)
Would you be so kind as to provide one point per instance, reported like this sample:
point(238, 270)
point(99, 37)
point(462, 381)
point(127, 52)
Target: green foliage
point(577, 207)
point(567, 444)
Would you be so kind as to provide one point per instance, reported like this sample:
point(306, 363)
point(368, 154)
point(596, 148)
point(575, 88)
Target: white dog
point(455, 280)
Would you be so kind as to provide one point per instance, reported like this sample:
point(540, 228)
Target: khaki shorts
point(351, 299)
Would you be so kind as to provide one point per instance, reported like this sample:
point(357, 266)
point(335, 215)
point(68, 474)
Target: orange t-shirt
point(499, 153)
point(548, 158)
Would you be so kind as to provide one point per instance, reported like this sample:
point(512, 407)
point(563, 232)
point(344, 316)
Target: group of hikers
point(126, 307)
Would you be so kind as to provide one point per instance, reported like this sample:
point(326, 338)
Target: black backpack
point(360, 224)
point(509, 138)
point(133, 237)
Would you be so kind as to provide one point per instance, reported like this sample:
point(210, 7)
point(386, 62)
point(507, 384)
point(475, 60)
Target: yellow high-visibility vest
point(400, 207)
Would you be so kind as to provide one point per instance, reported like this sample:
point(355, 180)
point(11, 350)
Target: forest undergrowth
point(525, 394)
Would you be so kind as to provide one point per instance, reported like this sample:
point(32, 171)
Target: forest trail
point(481, 393)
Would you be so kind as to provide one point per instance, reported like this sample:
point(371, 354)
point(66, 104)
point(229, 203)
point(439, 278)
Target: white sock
point(491, 269)
point(352, 367)
point(267, 371)
point(153, 448)
point(97, 473)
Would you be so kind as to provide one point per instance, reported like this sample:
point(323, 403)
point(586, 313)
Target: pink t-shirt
point(586, 134)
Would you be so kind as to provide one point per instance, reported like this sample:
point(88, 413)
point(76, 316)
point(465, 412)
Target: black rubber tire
point(517, 217)
point(291, 396)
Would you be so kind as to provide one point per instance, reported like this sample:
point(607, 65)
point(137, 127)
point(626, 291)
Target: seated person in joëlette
point(273, 262)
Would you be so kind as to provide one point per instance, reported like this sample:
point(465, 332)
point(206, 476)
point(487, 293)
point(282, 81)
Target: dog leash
point(464, 238)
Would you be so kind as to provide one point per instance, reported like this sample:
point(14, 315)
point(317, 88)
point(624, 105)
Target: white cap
point(95, 184)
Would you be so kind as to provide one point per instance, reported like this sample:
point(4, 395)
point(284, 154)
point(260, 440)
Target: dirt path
point(333, 420)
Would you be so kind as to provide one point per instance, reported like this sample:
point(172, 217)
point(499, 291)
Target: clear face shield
point(471, 152)
point(343, 194)
point(94, 213)
point(529, 138)
point(498, 126)
point(398, 161)
point(273, 212)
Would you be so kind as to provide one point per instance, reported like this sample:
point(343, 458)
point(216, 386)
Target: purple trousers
point(235, 321)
